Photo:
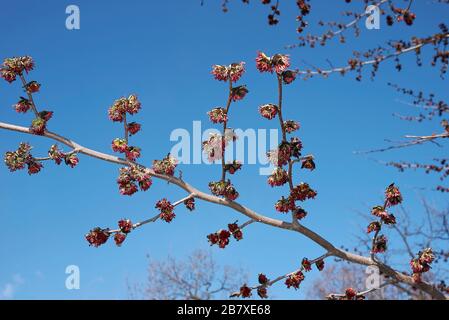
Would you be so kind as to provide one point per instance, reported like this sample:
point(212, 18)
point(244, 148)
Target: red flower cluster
point(239, 92)
point(263, 279)
point(32, 87)
point(299, 213)
point(373, 227)
point(268, 111)
point(281, 155)
point(306, 265)
point(289, 76)
point(350, 294)
point(125, 227)
point(278, 62)
point(166, 209)
point(421, 264)
point(308, 164)
point(380, 244)
point(55, 154)
point(392, 196)
point(97, 236)
point(133, 128)
point(245, 291)
point(131, 152)
point(39, 124)
point(16, 160)
point(320, 265)
point(224, 188)
point(284, 205)
point(291, 125)
point(190, 204)
point(278, 178)
point(233, 167)
point(294, 279)
point(235, 230)
point(221, 237)
point(384, 216)
point(213, 147)
point(71, 160)
point(122, 106)
point(262, 289)
point(233, 72)
point(302, 192)
point(23, 105)
point(129, 177)
point(12, 67)
point(165, 166)
point(218, 115)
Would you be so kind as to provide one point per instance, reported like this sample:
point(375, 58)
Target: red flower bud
point(299, 213)
point(263, 63)
point(46, 115)
point(190, 204)
point(284, 205)
point(34, 166)
point(119, 238)
point(96, 237)
point(291, 125)
point(23, 105)
point(279, 177)
point(132, 153)
point(262, 292)
point(166, 209)
point(32, 87)
point(268, 111)
point(8, 75)
point(245, 291)
point(55, 154)
point(165, 166)
point(302, 192)
point(16, 160)
point(218, 115)
point(305, 263)
point(294, 280)
point(71, 160)
point(380, 244)
point(238, 93)
point(320, 265)
point(233, 167)
point(392, 195)
point(289, 76)
point(308, 164)
point(133, 128)
point(280, 62)
point(263, 278)
point(38, 126)
point(125, 225)
point(350, 293)
point(373, 226)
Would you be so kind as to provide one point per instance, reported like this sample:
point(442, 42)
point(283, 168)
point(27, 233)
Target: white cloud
point(9, 289)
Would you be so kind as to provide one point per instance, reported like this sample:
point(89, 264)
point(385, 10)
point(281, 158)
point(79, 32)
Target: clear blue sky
point(163, 51)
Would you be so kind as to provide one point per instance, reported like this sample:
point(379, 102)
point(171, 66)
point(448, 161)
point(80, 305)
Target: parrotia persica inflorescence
point(11, 70)
point(134, 176)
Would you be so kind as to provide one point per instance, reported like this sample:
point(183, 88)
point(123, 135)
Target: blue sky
point(163, 51)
